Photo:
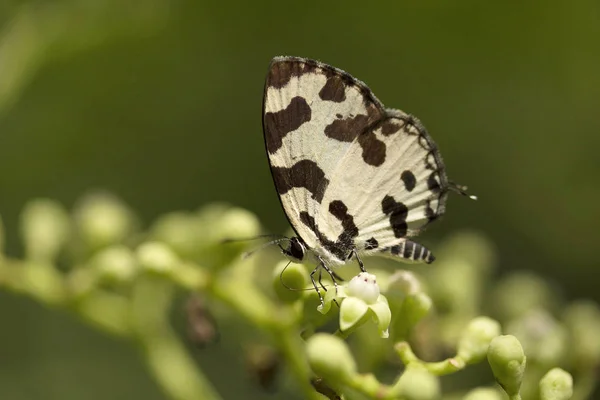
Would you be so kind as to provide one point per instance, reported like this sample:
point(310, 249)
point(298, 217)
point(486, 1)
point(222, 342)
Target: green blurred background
point(160, 102)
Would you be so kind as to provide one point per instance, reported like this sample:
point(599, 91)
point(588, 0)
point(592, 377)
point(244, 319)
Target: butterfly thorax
point(298, 251)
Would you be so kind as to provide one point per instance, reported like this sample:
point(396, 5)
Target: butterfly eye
point(295, 250)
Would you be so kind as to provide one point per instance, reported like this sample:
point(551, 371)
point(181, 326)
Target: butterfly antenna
point(264, 245)
point(267, 236)
point(460, 189)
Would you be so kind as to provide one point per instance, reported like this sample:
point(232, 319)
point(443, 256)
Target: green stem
point(167, 359)
point(342, 334)
point(280, 324)
point(293, 350)
point(173, 369)
point(405, 353)
point(106, 311)
point(248, 301)
point(41, 281)
point(445, 367)
point(368, 384)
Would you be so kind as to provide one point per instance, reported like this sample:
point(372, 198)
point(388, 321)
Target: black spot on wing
point(304, 173)
point(309, 221)
point(347, 129)
point(334, 90)
point(283, 70)
point(397, 212)
point(341, 248)
point(373, 149)
point(389, 127)
point(280, 123)
point(430, 161)
point(281, 73)
point(410, 125)
point(432, 183)
point(338, 209)
point(371, 244)
point(429, 212)
point(409, 180)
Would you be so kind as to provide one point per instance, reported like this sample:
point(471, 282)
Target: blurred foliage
point(159, 101)
point(101, 268)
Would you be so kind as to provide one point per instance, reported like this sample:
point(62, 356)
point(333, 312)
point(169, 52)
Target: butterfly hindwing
point(393, 183)
point(350, 174)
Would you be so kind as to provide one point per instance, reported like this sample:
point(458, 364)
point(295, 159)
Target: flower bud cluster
point(359, 301)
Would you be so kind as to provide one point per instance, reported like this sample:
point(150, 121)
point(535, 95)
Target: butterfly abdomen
point(409, 251)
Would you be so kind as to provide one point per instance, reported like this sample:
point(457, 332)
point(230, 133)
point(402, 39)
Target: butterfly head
point(295, 250)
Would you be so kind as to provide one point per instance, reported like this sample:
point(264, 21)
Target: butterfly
point(354, 178)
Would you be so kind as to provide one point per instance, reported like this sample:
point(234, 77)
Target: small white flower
point(365, 287)
point(359, 299)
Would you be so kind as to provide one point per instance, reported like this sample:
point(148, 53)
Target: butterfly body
point(353, 177)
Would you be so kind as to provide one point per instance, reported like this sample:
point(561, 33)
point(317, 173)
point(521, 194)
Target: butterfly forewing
point(350, 174)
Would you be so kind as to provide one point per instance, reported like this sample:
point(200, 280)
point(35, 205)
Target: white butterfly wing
point(350, 174)
point(302, 99)
point(391, 182)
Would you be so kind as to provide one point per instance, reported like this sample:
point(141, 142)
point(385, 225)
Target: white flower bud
point(364, 286)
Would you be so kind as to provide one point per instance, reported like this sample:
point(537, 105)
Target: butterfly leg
point(312, 279)
point(360, 263)
point(332, 275)
point(320, 277)
point(337, 277)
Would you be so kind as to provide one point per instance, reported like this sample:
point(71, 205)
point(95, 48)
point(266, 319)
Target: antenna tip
point(461, 189)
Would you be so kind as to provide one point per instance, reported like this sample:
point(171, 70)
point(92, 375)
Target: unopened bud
point(330, 358)
point(484, 393)
point(507, 359)
point(416, 383)
point(45, 228)
point(415, 307)
point(475, 340)
point(403, 283)
point(102, 220)
point(557, 384)
point(157, 257)
point(116, 263)
point(289, 281)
